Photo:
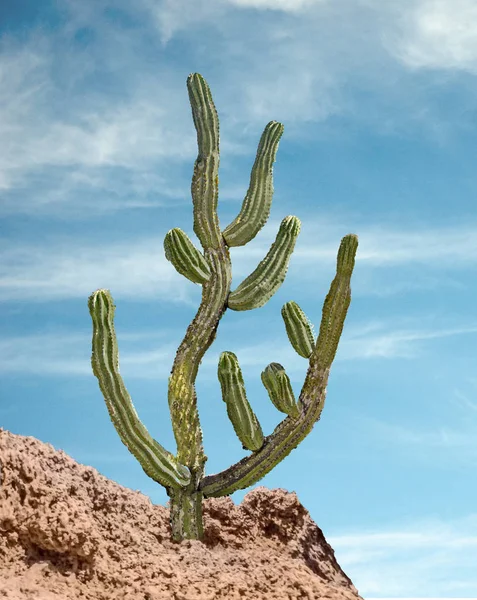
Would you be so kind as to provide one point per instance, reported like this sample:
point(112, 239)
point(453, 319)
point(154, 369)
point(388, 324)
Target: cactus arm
point(280, 391)
point(205, 180)
point(289, 433)
point(155, 460)
point(299, 329)
point(240, 412)
point(187, 260)
point(259, 286)
point(256, 205)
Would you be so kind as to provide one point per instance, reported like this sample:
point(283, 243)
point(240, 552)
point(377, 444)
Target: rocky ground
point(69, 533)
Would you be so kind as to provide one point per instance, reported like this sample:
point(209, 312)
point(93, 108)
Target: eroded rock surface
point(69, 533)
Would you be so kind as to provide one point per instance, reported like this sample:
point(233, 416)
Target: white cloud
point(62, 270)
point(102, 132)
point(72, 115)
point(62, 141)
point(440, 34)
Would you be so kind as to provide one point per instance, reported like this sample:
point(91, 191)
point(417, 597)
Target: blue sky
point(379, 104)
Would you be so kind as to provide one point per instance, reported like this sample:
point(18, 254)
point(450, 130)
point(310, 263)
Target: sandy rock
point(69, 533)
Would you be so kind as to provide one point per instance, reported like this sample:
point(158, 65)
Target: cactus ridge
point(278, 386)
point(205, 180)
point(155, 460)
point(187, 260)
point(259, 286)
point(299, 329)
point(256, 205)
point(244, 420)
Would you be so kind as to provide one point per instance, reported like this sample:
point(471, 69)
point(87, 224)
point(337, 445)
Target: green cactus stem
point(299, 329)
point(205, 180)
point(183, 474)
point(240, 412)
point(289, 433)
point(159, 464)
point(259, 286)
point(187, 260)
point(256, 205)
point(278, 386)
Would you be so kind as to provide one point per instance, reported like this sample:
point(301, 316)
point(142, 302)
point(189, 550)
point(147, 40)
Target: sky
point(379, 105)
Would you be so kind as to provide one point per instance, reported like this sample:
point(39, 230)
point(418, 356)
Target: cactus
point(182, 474)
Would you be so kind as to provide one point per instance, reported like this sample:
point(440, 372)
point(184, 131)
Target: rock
point(69, 533)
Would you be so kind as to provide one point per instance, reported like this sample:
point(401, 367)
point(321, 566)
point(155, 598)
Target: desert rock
point(69, 533)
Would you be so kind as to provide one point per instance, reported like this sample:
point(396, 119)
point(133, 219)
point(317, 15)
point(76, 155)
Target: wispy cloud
point(58, 271)
point(393, 342)
point(69, 268)
point(424, 555)
point(74, 114)
point(70, 141)
point(465, 402)
point(61, 353)
point(282, 5)
point(442, 445)
point(69, 354)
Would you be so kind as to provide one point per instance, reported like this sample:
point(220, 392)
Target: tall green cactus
point(183, 474)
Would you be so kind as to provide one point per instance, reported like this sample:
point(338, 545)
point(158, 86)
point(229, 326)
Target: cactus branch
point(290, 432)
point(256, 205)
point(205, 181)
point(240, 412)
point(187, 260)
point(159, 464)
point(299, 329)
point(257, 289)
point(278, 386)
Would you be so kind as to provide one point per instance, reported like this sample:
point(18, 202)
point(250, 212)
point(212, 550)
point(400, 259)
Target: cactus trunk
point(198, 338)
point(186, 510)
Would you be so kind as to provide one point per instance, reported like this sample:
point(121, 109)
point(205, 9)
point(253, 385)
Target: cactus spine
point(183, 474)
